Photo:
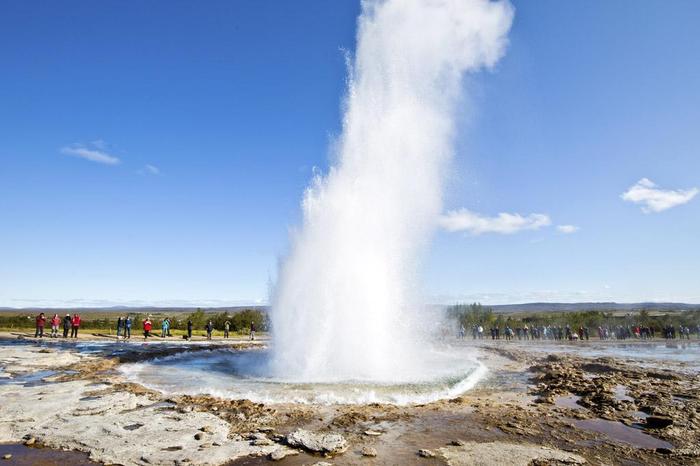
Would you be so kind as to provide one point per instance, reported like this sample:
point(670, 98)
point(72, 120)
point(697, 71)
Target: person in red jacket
point(40, 322)
point(74, 326)
point(147, 326)
point(55, 322)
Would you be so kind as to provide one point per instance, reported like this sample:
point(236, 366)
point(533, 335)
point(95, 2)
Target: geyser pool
point(243, 374)
point(344, 307)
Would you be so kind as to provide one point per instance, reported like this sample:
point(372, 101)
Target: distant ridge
point(502, 308)
point(131, 309)
point(593, 306)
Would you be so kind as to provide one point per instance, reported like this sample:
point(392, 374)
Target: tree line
point(239, 321)
point(469, 315)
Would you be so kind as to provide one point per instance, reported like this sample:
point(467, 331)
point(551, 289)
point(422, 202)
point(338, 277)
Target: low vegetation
point(106, 322)
point(476, 314)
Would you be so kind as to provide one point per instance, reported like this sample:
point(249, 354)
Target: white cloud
point(655, 199)
point(151, 169)
point(93, 153)
point(504, 223)
point(567, 229)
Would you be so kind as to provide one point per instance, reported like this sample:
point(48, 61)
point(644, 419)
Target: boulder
point(282, 453)
point(658, 422)
point(368, 451)
point(324, 443)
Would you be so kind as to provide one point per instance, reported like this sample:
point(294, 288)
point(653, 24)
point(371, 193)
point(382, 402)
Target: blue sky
point(157, 152)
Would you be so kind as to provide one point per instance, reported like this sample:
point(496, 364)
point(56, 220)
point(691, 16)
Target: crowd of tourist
point(124, 324)
point(70, 324)
point(566, 332)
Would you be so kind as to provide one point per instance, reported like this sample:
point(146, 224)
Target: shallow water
point(30, 379)
point(622, 433)
point(244, 374)
point(25, 456)
point(569, 402)
point(649, 353)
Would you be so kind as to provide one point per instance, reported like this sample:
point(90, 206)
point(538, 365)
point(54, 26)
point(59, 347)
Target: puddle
point(133, 426)
point(160, 405)
point(568, 402)
point(639, 414)
point(619, 432)
point(33, 379)
point(682, 399)
point(620, 393)
point(25, 456)
point(177, 448)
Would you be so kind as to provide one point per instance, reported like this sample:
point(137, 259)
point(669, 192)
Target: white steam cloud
point(503, 223)
point(343, 305)
point(567, 229)
point(654, 199)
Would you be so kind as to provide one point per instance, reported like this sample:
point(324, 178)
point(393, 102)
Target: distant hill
point(499, 308)
point(129, 309)
point(609, 306)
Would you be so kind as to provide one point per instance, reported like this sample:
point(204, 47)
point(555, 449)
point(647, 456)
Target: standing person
point(164, 328)
point(66, 325)
point(40, 322)
point(169, 325)
point(147, 326)
point(210, 328)
point(55, 322)
point(227, 327)
point(252, 330)
point(74, 326)
point(189, 329)
point(120, 323)
point(127, 327)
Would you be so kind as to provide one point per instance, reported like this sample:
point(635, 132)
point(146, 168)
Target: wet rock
point(368, 451)
point(505, 453)
point(261, 442)
point(30, 441)
point(658, 422)
point(317, 442)
point(281, 454)
point(423, 453)
point(7, 456)
point(664, 451)
point(457, 443)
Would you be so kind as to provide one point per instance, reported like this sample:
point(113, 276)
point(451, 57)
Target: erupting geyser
point(344, 307)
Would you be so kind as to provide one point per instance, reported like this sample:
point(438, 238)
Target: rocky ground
point(533, 410)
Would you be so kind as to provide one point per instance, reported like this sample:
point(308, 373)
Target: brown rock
point(658, 422)
point(368, 451)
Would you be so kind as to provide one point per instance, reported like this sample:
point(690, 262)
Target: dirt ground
point(533, 409)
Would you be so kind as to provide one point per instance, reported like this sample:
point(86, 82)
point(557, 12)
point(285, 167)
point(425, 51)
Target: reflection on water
point(654, 354)
point(244, 374)
point(622, 433)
